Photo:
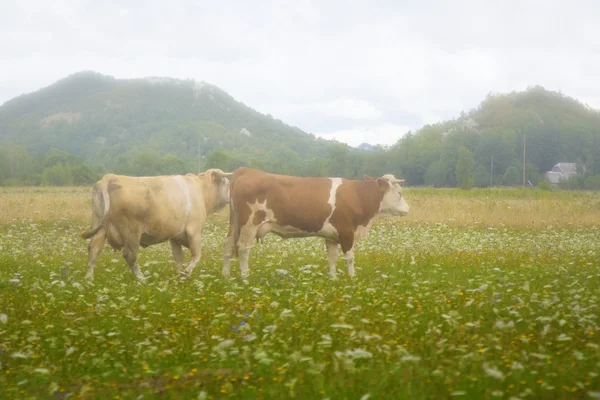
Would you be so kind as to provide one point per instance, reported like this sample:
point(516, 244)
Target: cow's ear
point(214, 176)
point(368, 178)
point(383, 184)
point(217, 176)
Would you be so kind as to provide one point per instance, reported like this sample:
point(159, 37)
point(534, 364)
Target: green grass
point(434, 312)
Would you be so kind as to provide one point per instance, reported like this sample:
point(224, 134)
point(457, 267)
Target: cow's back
point(129, 196)
point(160, 203)
point(298, 202)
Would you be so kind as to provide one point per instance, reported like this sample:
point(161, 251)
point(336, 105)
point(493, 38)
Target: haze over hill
point(161, 125)
point(100, 118)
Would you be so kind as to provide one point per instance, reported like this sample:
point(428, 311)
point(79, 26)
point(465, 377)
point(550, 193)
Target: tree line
point(488, 146)
point(60, 168)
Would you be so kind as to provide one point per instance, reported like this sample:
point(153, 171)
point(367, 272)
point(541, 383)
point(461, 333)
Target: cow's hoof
point(333, 277)
point(186, 274)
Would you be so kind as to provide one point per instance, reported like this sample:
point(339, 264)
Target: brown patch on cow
point(298, 202)
point(346, 240)
point(361, 201)
point(259, 217)
point(360, 204)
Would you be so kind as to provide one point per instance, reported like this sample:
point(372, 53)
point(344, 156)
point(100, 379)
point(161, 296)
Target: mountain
point(366, 147)
point(103, 120)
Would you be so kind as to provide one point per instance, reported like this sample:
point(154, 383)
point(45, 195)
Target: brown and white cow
point(339, 210)
point(142, 211)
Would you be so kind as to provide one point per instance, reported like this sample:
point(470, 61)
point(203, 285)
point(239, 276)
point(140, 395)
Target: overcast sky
point(366, 72)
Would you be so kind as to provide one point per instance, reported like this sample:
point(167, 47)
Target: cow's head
point(393, 200)
point(217, 179)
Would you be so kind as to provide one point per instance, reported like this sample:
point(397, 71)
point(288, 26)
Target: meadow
point(485, 294)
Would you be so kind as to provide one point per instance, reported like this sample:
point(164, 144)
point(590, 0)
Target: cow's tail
point(100, 207)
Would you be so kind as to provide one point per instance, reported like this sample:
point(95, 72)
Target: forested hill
point(556, 128)
point(107, 121)
point(87, 124)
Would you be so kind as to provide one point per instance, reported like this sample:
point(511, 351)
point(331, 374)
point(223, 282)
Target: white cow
point(142, 211)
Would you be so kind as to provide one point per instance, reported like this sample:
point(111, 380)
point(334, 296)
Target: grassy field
point(486, 294)
point(517, 208)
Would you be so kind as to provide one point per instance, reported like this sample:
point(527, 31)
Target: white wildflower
point(493, 372)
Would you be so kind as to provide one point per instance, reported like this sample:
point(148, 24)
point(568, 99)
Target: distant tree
point(481, 176)
point(592, 182)
point(464, 168)
point(496, 143)
point(532, 173)
point(146, 163)
point(17, 163)
point(575, 182)
point(57, 156)
point(4, 169)
point(437, 174)
point(217, 159)
point(316, 167)
point(83, 175)
point(512, 176)
point(338, 161)
point(544, 185)
point(123, 166)
point(235, 164)
point(57, 175)
point(171, 165)
point(255, 163)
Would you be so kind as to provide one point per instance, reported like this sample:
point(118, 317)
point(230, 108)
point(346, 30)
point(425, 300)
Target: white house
point(561, 172)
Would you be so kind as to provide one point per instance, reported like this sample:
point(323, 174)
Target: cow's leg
point(228, 255)
point(347, 242)
point(332, 256)
point(245, 242)
point(244, 255)
point(349, 255)
point(177, 255)
point(130, 253)
point(229, 247)
point(195, 244)
point(94, 249)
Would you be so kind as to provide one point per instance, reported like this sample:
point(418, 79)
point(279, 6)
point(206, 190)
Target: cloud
point(347, 108)
point(348, 70)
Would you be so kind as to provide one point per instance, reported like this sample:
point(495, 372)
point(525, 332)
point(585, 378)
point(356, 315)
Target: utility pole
point(492, 173)
point(524, 155)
